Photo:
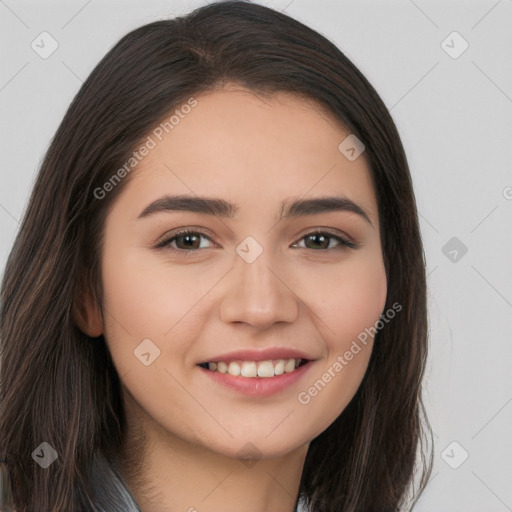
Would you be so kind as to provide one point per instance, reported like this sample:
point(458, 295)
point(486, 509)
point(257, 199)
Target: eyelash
point(343, 243)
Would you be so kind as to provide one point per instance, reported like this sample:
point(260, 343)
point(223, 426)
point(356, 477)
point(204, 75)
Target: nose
point(258, 294)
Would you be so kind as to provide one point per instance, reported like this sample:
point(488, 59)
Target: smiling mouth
point(254, 369)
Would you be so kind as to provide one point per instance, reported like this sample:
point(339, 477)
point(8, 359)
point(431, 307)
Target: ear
point(87, 315)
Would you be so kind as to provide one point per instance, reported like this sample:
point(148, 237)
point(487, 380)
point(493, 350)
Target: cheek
point(348, 299)
point(137, 304)
point(130, 294)
point(147, 299)
point(346, 309)
point(360, 303)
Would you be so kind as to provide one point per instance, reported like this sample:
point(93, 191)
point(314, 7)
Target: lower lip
point(259, 386)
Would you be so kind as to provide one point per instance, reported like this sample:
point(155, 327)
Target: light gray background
point(454, 116)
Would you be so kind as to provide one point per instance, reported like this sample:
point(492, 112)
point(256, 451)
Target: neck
point(167, 473)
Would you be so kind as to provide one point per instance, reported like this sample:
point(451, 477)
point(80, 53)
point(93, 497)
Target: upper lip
point(260, 355)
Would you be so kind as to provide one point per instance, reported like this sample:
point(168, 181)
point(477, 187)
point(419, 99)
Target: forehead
point(251, 150)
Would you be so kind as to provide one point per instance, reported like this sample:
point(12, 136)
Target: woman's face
point(246, 281)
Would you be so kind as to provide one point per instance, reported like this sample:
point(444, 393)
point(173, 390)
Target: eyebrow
point(222, 208)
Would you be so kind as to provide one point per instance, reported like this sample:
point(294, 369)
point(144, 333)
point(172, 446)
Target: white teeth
point(222, 367)
point(252, 369)
point(249, 370)
point(234, 368)
point(279, 367)
point(289, 366)
point(265, 369)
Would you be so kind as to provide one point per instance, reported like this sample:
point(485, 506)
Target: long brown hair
point(59, 386)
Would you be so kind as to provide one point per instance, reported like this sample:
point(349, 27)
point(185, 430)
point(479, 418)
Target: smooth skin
point(202, 299)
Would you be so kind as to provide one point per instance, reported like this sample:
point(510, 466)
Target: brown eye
point(184, 241)
point(320, 240)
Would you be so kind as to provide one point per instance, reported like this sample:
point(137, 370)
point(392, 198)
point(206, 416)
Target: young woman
point(217, 298)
